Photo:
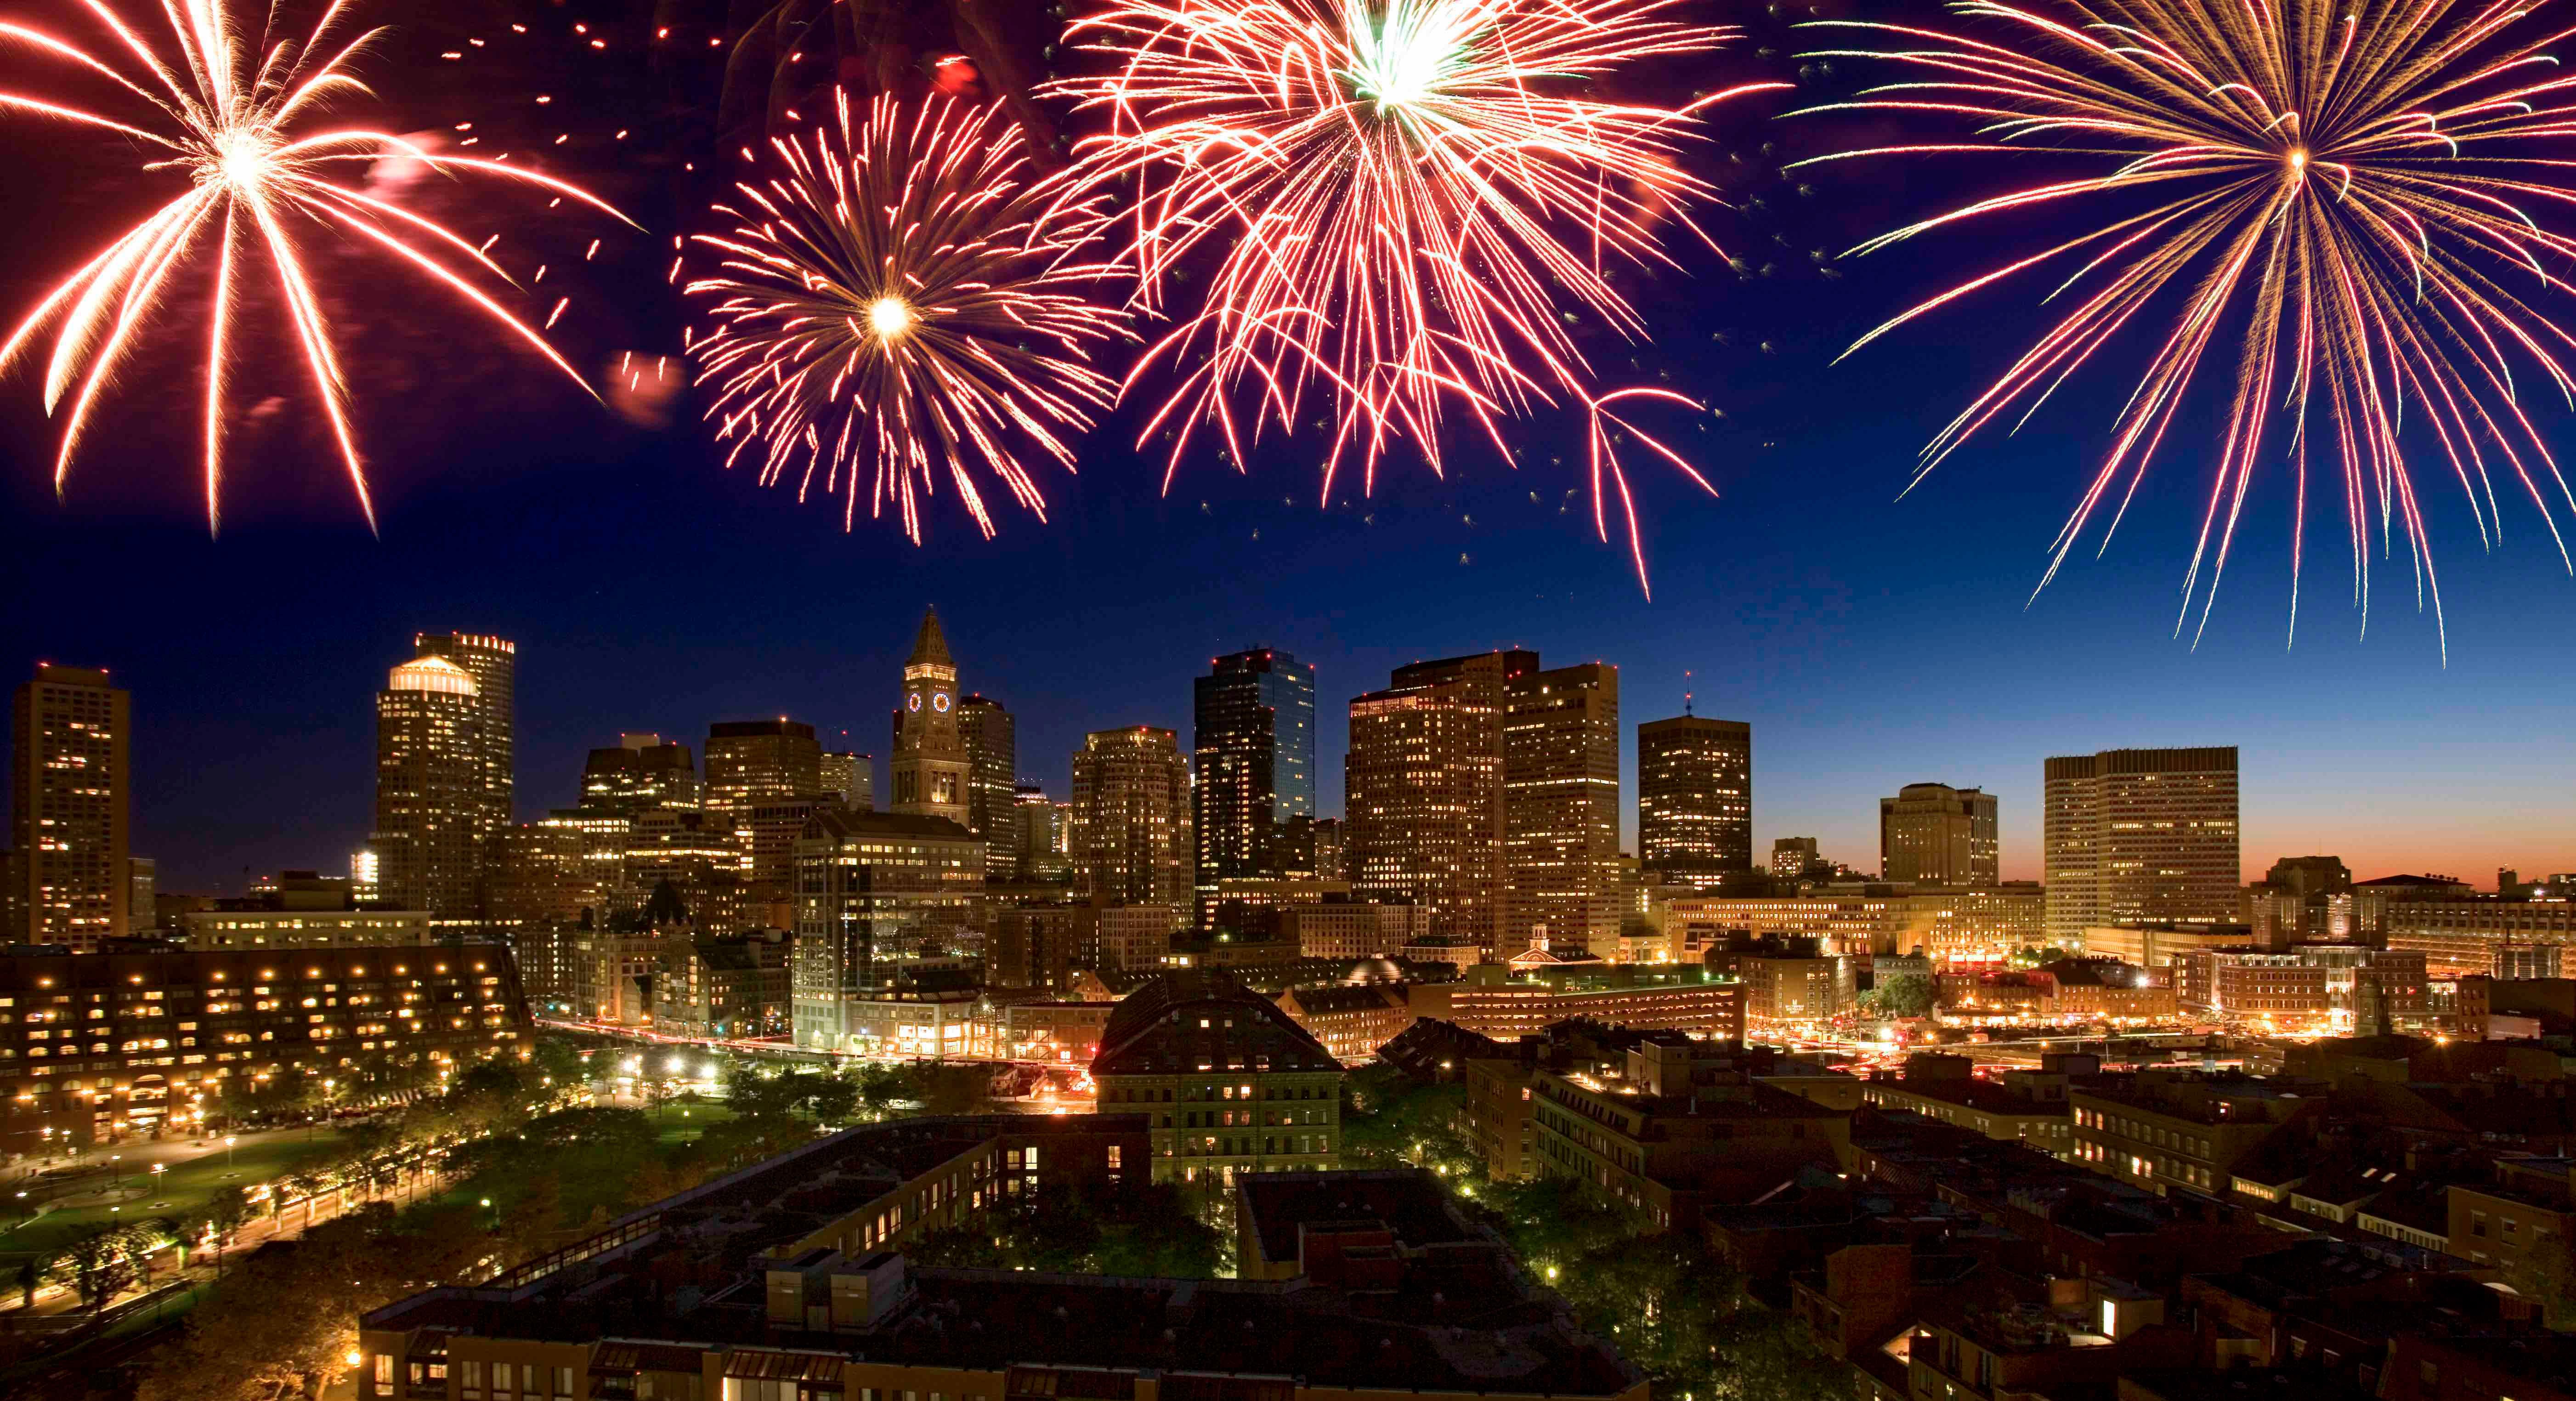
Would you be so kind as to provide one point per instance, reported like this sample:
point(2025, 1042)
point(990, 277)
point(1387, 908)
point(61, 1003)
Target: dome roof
point(1376, 968)
point(432, 674)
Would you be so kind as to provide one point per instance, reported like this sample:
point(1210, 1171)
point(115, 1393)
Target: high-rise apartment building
point(493, 662)
point(992, 776)
point(1254, 740)
point(642, 771)
point(1423, 792)
point(71, 805)
point(932, 771)
point(2136, 835)
point(1934, 834)
point(1131, 817)
point(1694, 799)
point(1561, 807)
point(433, 797)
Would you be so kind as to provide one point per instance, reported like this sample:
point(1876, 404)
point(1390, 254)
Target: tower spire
point(930, 645)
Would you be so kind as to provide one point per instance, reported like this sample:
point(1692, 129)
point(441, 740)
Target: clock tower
point(930, 769)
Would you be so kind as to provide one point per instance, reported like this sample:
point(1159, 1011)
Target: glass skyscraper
point(1255, 770)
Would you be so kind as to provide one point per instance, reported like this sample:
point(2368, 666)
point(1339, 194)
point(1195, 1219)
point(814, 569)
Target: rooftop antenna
point(1686, 695)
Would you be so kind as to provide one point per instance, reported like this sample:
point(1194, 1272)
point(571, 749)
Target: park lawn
point(183, 1189)
point(681, 1123)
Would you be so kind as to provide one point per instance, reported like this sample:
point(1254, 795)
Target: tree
point(96, 1263)
point(2546, 1273)
point(1904, 995)
point(226, 1211)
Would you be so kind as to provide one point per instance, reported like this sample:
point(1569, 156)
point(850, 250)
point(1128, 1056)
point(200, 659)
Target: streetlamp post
point(228, 1152)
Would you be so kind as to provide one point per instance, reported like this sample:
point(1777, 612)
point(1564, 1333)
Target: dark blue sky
point(1871, 642)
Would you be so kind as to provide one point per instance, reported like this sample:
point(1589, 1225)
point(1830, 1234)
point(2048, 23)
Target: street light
point(228, 1150)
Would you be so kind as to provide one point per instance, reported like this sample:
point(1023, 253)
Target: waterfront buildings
point(1131, 818)
point(302, 910)
point(1694, 799)
point(2140, 835)
point(1934, 834)
point(71, 802)
point(106, 1044)
point(1253, 771)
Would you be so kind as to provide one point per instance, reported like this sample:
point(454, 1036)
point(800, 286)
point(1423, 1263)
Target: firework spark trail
point(2345, 191)
point(1409, 201)
point(903, 298)
point(231, 131)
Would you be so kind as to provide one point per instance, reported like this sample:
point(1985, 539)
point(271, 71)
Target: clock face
point(912, 702)
point(939, 701)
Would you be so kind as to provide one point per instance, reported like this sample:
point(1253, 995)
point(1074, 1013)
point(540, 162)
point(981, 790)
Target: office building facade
point(1561, 808)
point(992, 766)
point(2140, 835)
point(1934, 834)
point(753, 761)
point(1694, 799)
point(641, 771)
point(1131, 818)
point(1423, 792)
point(1253, 745)
point(493, 662)
point(430, 838)
point(71, 810)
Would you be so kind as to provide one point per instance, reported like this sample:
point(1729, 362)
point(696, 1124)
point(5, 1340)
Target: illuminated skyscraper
point(992, 776)
point(1694, 799)
point(432, 794)
point(753, 761)
point(1255, 766)
point(1423, 790)
point(853, 777)
point(643, 771)
point(933, 774)
point(1039, 838)
point(1561, 807)
point(1131, 818)
point(1934, 834)
point(70, 807)
point(2140, 835)
point(494, 664)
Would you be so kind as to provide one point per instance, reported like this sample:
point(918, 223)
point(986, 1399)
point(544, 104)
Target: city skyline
point(1847, 835)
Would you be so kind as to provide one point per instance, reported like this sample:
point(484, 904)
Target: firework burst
point(904, 299)
point(2340, 198)
point(230, 105)
point(1408, 203)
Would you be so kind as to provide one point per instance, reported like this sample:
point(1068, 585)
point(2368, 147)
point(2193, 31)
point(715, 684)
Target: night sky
point(1870, 641)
